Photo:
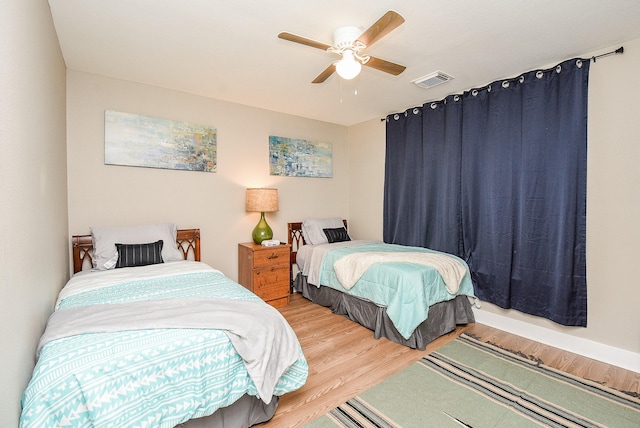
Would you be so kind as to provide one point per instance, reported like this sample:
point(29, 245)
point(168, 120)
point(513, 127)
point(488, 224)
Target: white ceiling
point(229, 50)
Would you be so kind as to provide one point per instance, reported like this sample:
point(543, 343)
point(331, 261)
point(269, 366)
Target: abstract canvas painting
point(300, 158)
point(134, 140)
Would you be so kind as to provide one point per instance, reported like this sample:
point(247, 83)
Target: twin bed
point(165, 344)
point(408, 303)
point(144, 334)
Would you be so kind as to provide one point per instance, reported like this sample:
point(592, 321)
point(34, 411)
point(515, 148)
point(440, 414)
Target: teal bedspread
point(405, 289)
point(144, 378)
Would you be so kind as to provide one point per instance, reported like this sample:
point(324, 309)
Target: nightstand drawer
point(271, 256)
point(271, 282)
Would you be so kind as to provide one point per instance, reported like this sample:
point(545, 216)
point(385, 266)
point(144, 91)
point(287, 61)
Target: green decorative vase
point(262, 231)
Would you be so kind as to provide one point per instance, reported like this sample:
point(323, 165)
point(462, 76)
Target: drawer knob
point(272, 256)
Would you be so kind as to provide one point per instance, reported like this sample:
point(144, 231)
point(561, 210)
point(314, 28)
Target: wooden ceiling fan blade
point(303, 40)
point(383, 26)
point(386, 66)
point(325, 74)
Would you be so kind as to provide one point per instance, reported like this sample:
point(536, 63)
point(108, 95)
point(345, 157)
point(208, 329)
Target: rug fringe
point(540, 363)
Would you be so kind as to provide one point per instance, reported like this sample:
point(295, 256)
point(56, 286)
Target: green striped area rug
point(470, 383)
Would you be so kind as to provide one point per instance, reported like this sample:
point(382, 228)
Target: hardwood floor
point(344, 360)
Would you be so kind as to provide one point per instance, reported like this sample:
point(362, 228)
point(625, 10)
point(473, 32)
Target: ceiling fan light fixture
point(348, 67)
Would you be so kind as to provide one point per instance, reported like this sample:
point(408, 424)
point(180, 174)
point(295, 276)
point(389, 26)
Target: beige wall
point(613, 200)
point(33, 193)
point(107, 195)
point(366, 182)
point(613, 206)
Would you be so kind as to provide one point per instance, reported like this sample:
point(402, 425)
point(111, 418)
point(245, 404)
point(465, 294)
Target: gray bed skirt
point(443, 317)
point(245, 412)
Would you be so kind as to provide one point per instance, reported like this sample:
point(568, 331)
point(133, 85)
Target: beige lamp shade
point(261, 200)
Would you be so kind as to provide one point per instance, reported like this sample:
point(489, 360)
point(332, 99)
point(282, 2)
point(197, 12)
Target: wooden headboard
point(188, 242)
point(296, 240)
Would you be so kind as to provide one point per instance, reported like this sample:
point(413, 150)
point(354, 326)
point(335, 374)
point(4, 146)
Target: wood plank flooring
point(345, 360)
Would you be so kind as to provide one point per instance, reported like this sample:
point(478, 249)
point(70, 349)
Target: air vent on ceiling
point(431, 80)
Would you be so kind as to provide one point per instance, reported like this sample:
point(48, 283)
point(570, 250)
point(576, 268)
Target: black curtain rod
point(620, 50)
point(617, 51)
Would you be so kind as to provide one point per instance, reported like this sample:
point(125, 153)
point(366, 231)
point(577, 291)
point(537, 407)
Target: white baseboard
point(618, 357)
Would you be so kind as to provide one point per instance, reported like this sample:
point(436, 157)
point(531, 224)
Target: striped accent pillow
point(130, 255)
point(338, 234)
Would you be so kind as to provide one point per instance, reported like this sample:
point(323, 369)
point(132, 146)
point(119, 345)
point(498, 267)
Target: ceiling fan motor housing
point(344, 37)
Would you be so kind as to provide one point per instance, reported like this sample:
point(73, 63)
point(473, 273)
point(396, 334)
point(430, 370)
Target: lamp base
point(262, 231)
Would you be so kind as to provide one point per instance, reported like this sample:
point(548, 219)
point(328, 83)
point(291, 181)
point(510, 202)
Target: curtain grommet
point(416, 110)
point(521, 79)
point(434, 106)
point(474, 92)
point(558, 69)
point(505, 84)
point(396, 116)
point(579, 63)
point(539, 74)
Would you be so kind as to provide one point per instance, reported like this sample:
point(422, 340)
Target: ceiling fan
point(349, 42)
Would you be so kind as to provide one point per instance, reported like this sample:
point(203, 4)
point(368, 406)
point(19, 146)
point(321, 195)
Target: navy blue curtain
point(404, 169)
point(503, 186)
point(442, 131)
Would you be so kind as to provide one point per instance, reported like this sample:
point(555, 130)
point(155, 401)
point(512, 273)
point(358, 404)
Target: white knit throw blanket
point(350, 268)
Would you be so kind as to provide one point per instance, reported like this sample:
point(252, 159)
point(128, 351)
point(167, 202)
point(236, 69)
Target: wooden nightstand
point(265, 271)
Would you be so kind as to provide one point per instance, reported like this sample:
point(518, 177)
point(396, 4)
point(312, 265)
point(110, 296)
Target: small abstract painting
point(133, 140)
point(300, 158)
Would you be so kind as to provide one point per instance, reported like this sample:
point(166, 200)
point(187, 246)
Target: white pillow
point(312, 229)
point(105, 254)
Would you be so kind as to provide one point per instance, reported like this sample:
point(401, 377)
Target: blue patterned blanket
point(156, 377)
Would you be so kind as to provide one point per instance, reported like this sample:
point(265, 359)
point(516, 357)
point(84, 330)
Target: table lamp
point(263, 201)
